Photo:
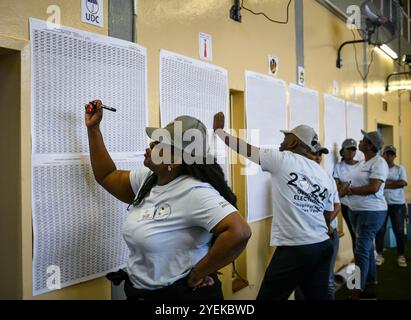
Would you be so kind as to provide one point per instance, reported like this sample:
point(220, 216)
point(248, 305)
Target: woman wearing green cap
point(177, 210)
point(368, 208)
point(342, 174)
point(397, 210)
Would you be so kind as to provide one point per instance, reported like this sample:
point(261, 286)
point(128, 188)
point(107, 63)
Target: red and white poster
point(205, 46)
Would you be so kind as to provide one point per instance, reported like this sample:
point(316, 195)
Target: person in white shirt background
point(317, 157)
point(342, 174)
point(368, 209)
point(302, 207)
point(176, 210)
point(397, 210)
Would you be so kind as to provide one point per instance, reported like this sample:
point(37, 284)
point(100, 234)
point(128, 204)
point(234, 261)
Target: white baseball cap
point(306, 134)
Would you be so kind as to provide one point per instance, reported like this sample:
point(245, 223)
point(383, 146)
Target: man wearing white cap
point(302, 203)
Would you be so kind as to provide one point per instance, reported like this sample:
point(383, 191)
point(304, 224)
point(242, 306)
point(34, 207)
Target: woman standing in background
point(368, 208)
point(397, 210)
point(342, 174)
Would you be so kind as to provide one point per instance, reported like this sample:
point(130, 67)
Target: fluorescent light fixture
point(407, 59)
point(388, 51)
point(400, 87)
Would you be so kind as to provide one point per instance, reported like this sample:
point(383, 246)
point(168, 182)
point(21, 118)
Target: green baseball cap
point(390, 148)
point(183, 132)
point(375, 138)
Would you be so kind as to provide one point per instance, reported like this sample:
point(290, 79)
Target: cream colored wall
point(14, 24)
point(174, 25)
point(14, 15)
point(406, 134)
point(324, 33)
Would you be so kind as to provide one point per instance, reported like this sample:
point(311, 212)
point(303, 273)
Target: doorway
point(237, 123)
point(10, 185)
point(387, 133)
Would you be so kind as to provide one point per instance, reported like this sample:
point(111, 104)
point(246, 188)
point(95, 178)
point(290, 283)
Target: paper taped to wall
point(76, 224)
point(303, 107)
point(266, 115)
point(194, 88)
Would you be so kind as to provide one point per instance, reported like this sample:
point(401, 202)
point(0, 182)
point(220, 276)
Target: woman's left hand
point(344, 189)
point(195, 282)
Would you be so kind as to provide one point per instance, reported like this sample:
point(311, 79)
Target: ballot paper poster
point(76, 224)
point(266, 115)
point(355, 123)
point(335, 129)
point(303, 107)
point(194, 88)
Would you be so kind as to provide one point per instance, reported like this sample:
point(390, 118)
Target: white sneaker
point(402, 262)
point(379, 260)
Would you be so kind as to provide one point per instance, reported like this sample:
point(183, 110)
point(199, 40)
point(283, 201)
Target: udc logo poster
point(92, 12)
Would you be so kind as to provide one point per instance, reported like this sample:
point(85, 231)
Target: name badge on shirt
point(162, 211)
point(146, 214)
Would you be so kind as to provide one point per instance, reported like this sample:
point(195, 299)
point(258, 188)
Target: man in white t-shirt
point(318, 156)
point(302, 204)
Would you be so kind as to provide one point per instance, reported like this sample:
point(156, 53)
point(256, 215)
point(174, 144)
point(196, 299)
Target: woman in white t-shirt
point(342, 174)
point(368, 208)
point(397, 210)
point(177, 209)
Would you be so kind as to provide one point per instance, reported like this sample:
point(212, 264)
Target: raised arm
point(117, 182)
point(238, 145)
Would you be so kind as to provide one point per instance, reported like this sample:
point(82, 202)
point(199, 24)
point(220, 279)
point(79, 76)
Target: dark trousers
point(306, 266)
point(346, 215)
point(177, 291)
point(396, 212)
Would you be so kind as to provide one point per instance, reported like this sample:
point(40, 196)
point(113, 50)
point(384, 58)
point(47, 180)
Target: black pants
point(306, 266)
point(177, 291)
point(346, 215)
point(396, 212)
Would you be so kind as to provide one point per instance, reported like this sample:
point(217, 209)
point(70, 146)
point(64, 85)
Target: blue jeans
point(331, 284)
point(366, 225)
point(396, 212)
